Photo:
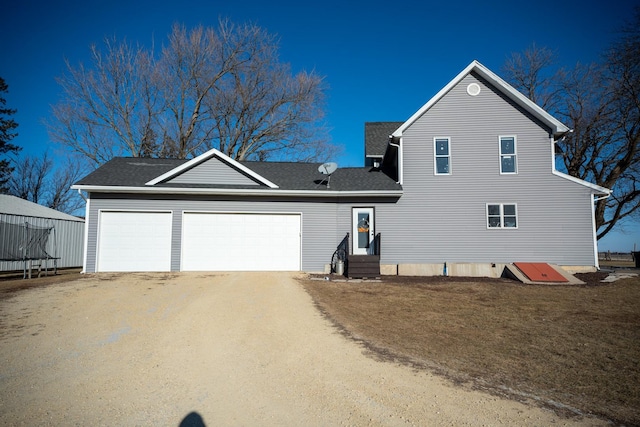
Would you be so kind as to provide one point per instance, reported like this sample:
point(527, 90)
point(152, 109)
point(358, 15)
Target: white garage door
point(240, 242)
point(134, 241)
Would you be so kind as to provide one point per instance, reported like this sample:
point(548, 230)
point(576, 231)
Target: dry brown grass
point(573, 348)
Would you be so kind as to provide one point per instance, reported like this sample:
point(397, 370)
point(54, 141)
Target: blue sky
point(382, 60)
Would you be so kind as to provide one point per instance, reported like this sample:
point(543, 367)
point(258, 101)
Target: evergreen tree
point(7, 133)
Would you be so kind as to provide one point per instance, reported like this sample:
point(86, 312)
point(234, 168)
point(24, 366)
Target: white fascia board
point(557, 127)
point(206, 156)
point(237, 192)
point(596, 188)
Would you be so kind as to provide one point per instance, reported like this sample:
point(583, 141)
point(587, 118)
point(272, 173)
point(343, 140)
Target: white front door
point(363, 231)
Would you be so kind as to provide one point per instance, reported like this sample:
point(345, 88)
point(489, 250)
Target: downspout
point(595, 233)
point(400, 172)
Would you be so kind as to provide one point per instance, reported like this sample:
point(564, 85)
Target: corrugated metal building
point(65, 242)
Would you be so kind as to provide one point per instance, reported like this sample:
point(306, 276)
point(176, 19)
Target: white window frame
point(436, 156)
point(502, 216)
point(515, 154)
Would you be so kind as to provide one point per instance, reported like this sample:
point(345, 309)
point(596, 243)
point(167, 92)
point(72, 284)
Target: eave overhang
point(596, 189)
point(236, 192)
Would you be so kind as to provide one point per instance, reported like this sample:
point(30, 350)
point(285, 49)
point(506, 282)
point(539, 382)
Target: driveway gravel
point(212, 349)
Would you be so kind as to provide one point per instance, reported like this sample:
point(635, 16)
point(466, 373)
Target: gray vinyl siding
point(324, 222)
point(213, 171)
point(443, 217)
point(66, 242)
point(318, 221)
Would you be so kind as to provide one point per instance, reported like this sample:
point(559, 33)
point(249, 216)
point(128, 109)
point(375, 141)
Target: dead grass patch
point(573, 348)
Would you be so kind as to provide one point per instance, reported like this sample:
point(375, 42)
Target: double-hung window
point(502, 215)
point(508, 155)
point(442, 155)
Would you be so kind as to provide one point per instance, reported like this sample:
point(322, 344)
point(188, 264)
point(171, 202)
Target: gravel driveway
point(218, 349)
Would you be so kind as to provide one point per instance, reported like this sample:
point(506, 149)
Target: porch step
point(363, 266)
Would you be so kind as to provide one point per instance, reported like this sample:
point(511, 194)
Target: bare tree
point(59, 195)
point(29, 176)
point(222, 88)
point(35, 179)
point(530, 73)
point(601, 103)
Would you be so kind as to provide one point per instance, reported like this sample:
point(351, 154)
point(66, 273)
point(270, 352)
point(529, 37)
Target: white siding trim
point(239, 192)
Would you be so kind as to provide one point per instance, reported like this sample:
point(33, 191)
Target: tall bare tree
point(601, 103)
point(7, 133)
point(531, 72)
point(222, 88)
point(35, 179)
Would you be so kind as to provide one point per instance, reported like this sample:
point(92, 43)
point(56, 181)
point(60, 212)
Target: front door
point(363, 233)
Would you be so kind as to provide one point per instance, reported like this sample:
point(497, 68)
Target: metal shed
point(64, 243)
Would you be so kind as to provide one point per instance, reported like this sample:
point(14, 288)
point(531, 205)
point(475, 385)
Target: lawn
point(575, 349)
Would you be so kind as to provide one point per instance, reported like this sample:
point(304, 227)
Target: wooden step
point(363, 266)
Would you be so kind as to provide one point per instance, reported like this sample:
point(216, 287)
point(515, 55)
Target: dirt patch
point(11, 282)
point(575, 349)
point(214, 349)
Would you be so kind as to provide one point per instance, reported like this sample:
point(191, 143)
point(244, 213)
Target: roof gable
point(211, 166)
point(509, 91)
point(212, 171)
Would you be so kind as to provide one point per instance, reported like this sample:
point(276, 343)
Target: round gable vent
point(473, 89)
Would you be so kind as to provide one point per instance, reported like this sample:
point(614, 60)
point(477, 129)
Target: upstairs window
point(508, 155)
point(442, 155)
point(500, 215)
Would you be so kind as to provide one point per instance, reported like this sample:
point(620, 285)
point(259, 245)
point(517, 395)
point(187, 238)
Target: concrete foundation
point(573, 269)
point(454, 269)
point(389, 269)
point(421, 269)
point(463, 269)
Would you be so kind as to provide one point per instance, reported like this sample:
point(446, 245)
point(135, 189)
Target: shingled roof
point(376, 137)
point(137, 172)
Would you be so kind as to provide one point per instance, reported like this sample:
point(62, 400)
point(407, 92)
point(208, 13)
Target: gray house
point(466, 185)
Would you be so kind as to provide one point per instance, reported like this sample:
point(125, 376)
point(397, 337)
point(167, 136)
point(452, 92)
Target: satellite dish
point(328, 168)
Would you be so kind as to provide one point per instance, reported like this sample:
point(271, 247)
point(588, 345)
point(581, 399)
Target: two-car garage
point(220, 241)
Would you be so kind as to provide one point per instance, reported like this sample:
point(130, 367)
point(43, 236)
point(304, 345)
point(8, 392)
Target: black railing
point(341, 253)
point(377, 242)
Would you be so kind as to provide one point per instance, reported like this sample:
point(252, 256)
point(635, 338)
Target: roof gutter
point(237, 192)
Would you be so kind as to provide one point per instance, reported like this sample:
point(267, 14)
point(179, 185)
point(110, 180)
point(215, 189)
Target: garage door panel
point(134, 241)
point(241, 242)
